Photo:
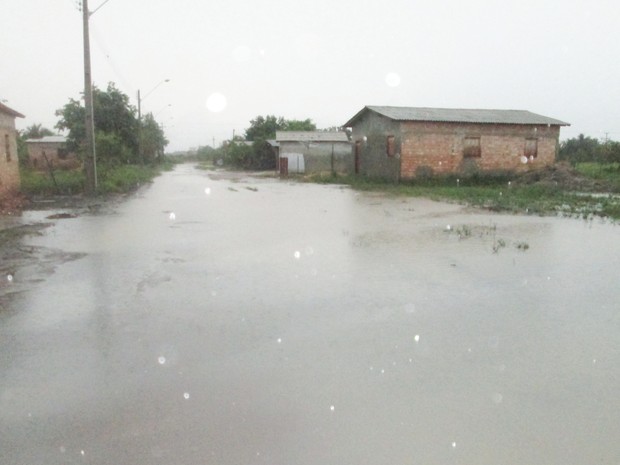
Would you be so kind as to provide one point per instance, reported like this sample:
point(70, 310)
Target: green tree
point(299, 125)
point(36, 131)
point(153, 139)
point(264, 128)
point(239, 154)
point(114, 116)
point(610, 152)
point(579, 149)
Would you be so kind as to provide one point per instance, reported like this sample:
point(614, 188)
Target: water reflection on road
point(252, 320)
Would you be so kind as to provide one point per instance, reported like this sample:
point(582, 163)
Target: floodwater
point(210, 320)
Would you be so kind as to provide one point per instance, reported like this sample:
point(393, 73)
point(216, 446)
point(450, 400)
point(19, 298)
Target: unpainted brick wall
point(439, 147)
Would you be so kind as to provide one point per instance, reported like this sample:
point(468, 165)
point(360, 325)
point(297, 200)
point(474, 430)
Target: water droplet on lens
point(186, 395)
point(332, 408)
point(279, 340)
point(297, 254)
point(416, 338)
point(161, 360)
point(9, 278)
point(82, 452)
point(208, 191)
point(216, 102)
point(453, 445)
point(172, 216)
point(392, 79)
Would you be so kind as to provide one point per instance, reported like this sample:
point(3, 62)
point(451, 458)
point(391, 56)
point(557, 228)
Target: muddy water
point(210, 320)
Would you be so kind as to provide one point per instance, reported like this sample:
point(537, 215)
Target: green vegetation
point(609, 173)
point(129, 149)
point(112, 179)
point(584, 149)
point(120, 136)
point(495, 193)
point(253, 152)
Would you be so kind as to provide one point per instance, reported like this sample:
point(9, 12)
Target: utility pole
point(90, 161)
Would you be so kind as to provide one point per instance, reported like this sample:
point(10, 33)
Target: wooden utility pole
point(90, 156)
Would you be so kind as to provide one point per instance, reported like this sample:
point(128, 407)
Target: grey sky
point(318, 59)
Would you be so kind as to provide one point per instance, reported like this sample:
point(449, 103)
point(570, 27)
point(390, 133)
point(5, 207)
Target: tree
point(153, 139)
point(579, 149)
point(299, 125)
point(114, 116)
point(36, 131)
point(264, 128)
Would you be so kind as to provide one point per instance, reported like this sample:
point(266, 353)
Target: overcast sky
point(229, 61)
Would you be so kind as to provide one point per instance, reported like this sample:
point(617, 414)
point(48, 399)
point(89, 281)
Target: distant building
point(406, 142)
point(313, 152)
point(9, 164)
point(52, 150)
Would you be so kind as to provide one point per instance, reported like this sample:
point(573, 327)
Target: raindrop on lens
point(216, 102)
point(279, 340)
point(416, 338)
point(332, 408)
point(161, 360)
point(9, 278)
point(208, 191)
point(186, 395)
point(172, 216)
point(453, 445)
point(297, 254)
point(392, 79)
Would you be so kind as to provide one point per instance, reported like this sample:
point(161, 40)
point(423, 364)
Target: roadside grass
point(111, 179)
point(495, 193)
point(607, 172)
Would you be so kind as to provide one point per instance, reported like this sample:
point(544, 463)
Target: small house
point(409, 142)
point(9, 164)
point(50, 151)
point(313, 152)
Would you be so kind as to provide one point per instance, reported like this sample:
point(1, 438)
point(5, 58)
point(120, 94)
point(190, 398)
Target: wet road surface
point(209, 320)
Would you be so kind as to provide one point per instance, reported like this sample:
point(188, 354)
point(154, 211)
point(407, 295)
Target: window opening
point(471, 147)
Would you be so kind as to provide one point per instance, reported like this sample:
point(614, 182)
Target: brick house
point(405, 142)
point(52, 148)
point(9, 164)
point(313, 152)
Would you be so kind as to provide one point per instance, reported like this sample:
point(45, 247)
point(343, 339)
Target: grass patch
point(495, 193)
point(42, 184)
point(606, 172)
point(111, 179)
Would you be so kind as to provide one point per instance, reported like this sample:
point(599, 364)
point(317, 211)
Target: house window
point(7, 147)
point(471, 147)
point(390, 146)
point(531, 148)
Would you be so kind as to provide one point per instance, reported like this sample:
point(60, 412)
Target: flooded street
point(210, 320)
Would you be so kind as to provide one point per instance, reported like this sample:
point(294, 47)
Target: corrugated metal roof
point(49, 139)
point(10, 111)
point(459, 115)
point(311, 136)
